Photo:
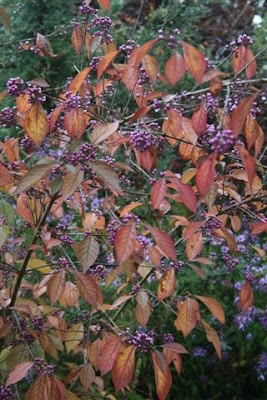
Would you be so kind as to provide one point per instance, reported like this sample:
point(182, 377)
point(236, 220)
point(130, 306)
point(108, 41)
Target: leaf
point(130, 207)
point(195, 61)
point(164, 242)
point(151, 66)
point(71, 295)
point(252, 68)
point(18, 373)
point(54, 117)
point(240, 114)
point(194, 245)
point(75, 122)
point(87, 252)
point(175, 68)
point(94, 353)
point(205, 174)
point(103, 131)
point(258, 228)
point(74, 336)
point(213, 337)
point(37, 389)
point(163, 375)
point(36, 124)
point(35, 174)
point(214, 307)
point(88, 288)
point(130, 75)
point(143, 308)
point(39, 265)
point(167, 284)
point(186, 193)
point(188, 315)
point(109, 354)
point(239, 59)
point(24, 208)
point(158, 193)
point(175, 348)
point(87, 376)
point(55, 286)
point(71, 181)
point(123, 369)
point(46, 387)
point(251, 131)
point(78, 38)
point(105, 61)
point(7, 210)
point(5, 177)
point(248, 161)
point(4, 231)
point(22, 102)
point(44, 45)
point(5, 17)
point(199, 119)
point(246, 297)
point(104, 4)
point(125, 242)
point(106, 174)
point(78, 80)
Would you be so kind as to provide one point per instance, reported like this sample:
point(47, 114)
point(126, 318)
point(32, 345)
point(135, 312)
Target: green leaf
point(7, 211)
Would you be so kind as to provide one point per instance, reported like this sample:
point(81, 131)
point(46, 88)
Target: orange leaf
point(70, 296)
point(123, 368)
point(104, 4)
point(151, 67)
point(199, 119)
point(240, 114)
point(163, 376)
point(213, 337)
point(175, 68)
point(103, 131)
point(109, 353)
point(167, 284)
point(130, 207)
point(214, 307)
point(75, 122)
point(143, 308)
point(188, 315)
point(78, 80)
point(54, 117)
point(158, 193)
point(252, 68)
point(239, 59)
point(248, 162)
point(105, 61)
point(176, 348)
point(194, 246)
point(18, 373)
point(94, 353)
point(22, 103)
point(205, 175)
point(56, 285)
point(125, 242)
point(78, 38)
point(246, 297)
point(259, 228)
point(195, 61)
point(5, 177)
point(88, 288)
point(24, 208)
point(36, 124)
point(164, 242)
point(251, 130)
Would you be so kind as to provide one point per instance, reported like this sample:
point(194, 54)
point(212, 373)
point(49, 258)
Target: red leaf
point(151, 67)
point(88, 288)
point(109, 353)
point(252, 131)
point(240, 114)
point(125, 242)
point(164, 243)
point(175, 68)
point(143, 308)
point(123, 368)
point(248, 162)
point(199, 119)
point(175, 348)
point(18, 373)
point(214, 307)
point(104, 4)
point(186, 193)
point(259, 228)
point(205, 175)
point(167, 284)
point(56, 285)
point(105, 61)
point(158, 193)
point(212, 337)
point(75, 122)
point(246, 297)
point(194, 245)
point(252, 68)
point(239, 59)
point(5, 177)
point(195, 61)
point(36, 124)
point(188, 315)
point(163, 376)
point(130, 75)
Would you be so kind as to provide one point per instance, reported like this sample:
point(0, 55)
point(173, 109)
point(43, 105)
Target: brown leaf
point(163, 375)
point(164, 242)
point(186, 193)
point(43, 44)
point(167, 284)
point(75, 122)
point(252, 68)
point(175, 68)
point(205, 174)
point(123, 369)
point(105, 61)
point(151, 66)
point(195, 61)
point(71, 181)
point(87, 376)
point(188, 315)
point(248, 161)
point(35, 174)
point(78, 38)
point(104, 4)
point(199, 119)
point(239, 59)
point(109, 353)
point(106, 174)
point(240, 114)
point(251, 131)
point(125, 242)
point(87, 252)
point(56, 285)
point(214, 307)
point(176, 348)
point(103, 131)
point(194, 245)
point(88, 288)
point(158, 193)
point(5, 17)
point(246, 297)
point(143, 308)
point(94, 353)
point(18, 373)
point(36, 124)
point(5, 177)
point(54, 117)
point(213, 337)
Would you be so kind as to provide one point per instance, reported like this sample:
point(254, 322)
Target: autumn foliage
point(133, 224)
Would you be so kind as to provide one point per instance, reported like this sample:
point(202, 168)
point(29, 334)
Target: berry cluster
point(72, 101)
point(112, 228)
point(211, 225)
point(63, 263)
point(42, 367)
point(168, 338)
point(94, 63)
point(230, 262)
point(220, 141)
point(171, 39)
point(27, 144)
point(101, 22)
point(87, 152)
point(35, 94)
point(5, 393)
point(145, 241)
point(244, 39)
point(211, 102)
point(99, 271)
point(128, 47)
point(142, 340)
point(15, 86)
point(87, 10)
point(37, 322)
point(141, 139)
point(7, 117)
point(66, 239)
point(135, 289)
point(84, 316)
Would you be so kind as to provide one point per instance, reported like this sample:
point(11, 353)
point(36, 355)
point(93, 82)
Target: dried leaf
point(36, 124)
point(71, 181)
point(56, 285)
point(246, 297)
point(213, 337)
point(214, 307)
point(87, 376)
point(106, 174)
point(167, 284)
point(194, 245)
point(205, 174)
point(163, 375)
point(35, 174)
point(109, 353)
point(188, 315)
point(5, 177)
point(75, 122)
point(143, 308)
point(74, 336)
point(164, 242)
point(125, 242)
point(103, 131)
point(158, 193)
point(123, 368)
point(88, 288)
point(195, 61)
point(175, 68)
point(87, 252)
